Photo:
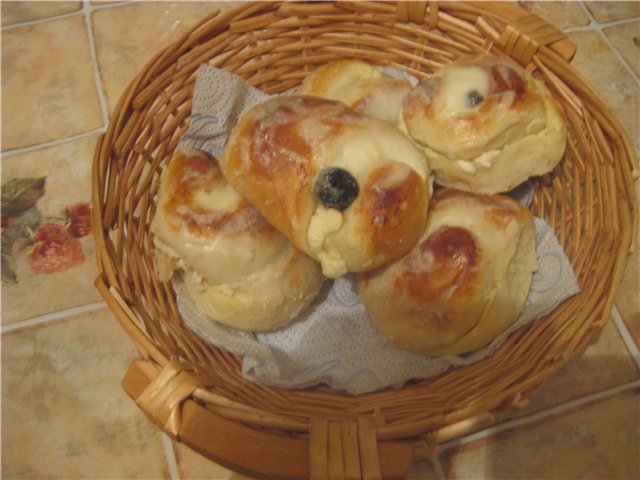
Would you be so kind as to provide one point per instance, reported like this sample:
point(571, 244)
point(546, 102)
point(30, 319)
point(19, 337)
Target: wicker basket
point(196, 391)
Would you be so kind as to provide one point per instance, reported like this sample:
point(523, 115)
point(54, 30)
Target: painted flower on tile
point(55, 250)
point(79, 218)
point(50, 244)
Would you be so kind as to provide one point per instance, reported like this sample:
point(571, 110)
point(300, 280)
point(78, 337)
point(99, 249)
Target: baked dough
point(348, 189)
point(485, 124)
point(360, 85)
point(464, 283)
point(236, 267)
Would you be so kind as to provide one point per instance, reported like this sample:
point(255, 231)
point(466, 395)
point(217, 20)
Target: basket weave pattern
point(196, 391)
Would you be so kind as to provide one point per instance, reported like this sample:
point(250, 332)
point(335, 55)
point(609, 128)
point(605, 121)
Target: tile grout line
point(52, 143)
point(623, 60)
point(50, 317)
point(170, 455)
point(597, 27)
point(541, 415)
point(437, 466)
point(29, 23)
point(626, 335)
point(595, 24)
point(87, 10)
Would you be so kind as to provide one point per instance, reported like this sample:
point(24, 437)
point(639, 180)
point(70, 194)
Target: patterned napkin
point(333, 342)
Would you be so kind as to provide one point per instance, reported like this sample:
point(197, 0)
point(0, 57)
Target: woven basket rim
point(139, 138)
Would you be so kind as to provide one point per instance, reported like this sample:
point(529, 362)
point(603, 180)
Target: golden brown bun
point(463, 284)
point(288, 153)
point(485, 124)
point(237, 268)
point(359, 85)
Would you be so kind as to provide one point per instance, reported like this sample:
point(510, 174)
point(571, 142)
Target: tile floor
point(64, 414)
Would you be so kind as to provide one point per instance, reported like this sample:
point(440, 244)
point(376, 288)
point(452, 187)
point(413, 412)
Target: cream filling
point(357, 155)
point(222, 199)
point(324, 222)
point(458, 82)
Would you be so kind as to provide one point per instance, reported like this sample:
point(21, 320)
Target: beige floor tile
point(48, 87)
point(194, 465)
point(559, 14)
point(64, 412)
point(67, 168)
point(596, 62)
point(599, 440)
point(128, 36)
point(26, 11)
point(605, 364)
point(626, 39)
point(423, 470)
point(613, 10)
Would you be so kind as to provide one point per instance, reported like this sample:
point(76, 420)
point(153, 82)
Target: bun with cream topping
point(360, 85)
point(348, 189)
point(485, 124)
point(463, 284)
point(236, 267)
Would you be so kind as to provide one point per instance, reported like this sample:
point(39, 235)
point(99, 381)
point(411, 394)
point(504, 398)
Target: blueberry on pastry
point(236, 267)
point(360, 85)
point(348, 189)
point(485, 124)
point(463, 284)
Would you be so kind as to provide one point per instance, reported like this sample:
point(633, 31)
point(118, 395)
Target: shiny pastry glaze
point(435, 112)
point(278, 148)
point(199, 172)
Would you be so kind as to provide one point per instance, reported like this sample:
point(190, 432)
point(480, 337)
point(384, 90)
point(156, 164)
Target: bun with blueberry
point(485, 124)
point(348, 189)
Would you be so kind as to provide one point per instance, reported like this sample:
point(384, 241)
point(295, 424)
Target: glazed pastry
point(485, 124)
point(360, 85)
point(236, 267)
point(464, 283)
point(348, 189)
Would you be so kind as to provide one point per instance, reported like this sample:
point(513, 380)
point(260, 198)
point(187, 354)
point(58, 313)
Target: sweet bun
point(235, 266)
point(485, 124)
point(463, 284)
point(348, 189)
point(360, 85)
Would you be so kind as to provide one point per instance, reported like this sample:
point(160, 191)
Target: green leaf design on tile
point(20, 194)
point(19, 233)
point(9, 269)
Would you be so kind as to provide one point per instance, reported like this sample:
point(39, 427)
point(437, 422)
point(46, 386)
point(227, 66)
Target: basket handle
point(523, 33)
point(332, 449)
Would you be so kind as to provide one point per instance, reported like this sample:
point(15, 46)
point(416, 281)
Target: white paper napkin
point(333, 342)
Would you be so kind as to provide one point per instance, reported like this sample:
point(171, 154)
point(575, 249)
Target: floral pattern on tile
point(626, 39)
point(610, 11)
point(26, 11)
point(599, 440)
point(64, 412)
point(51, 247)
point(52, 233)
point(599, 65)
point(56, 99)
point(128, 36)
